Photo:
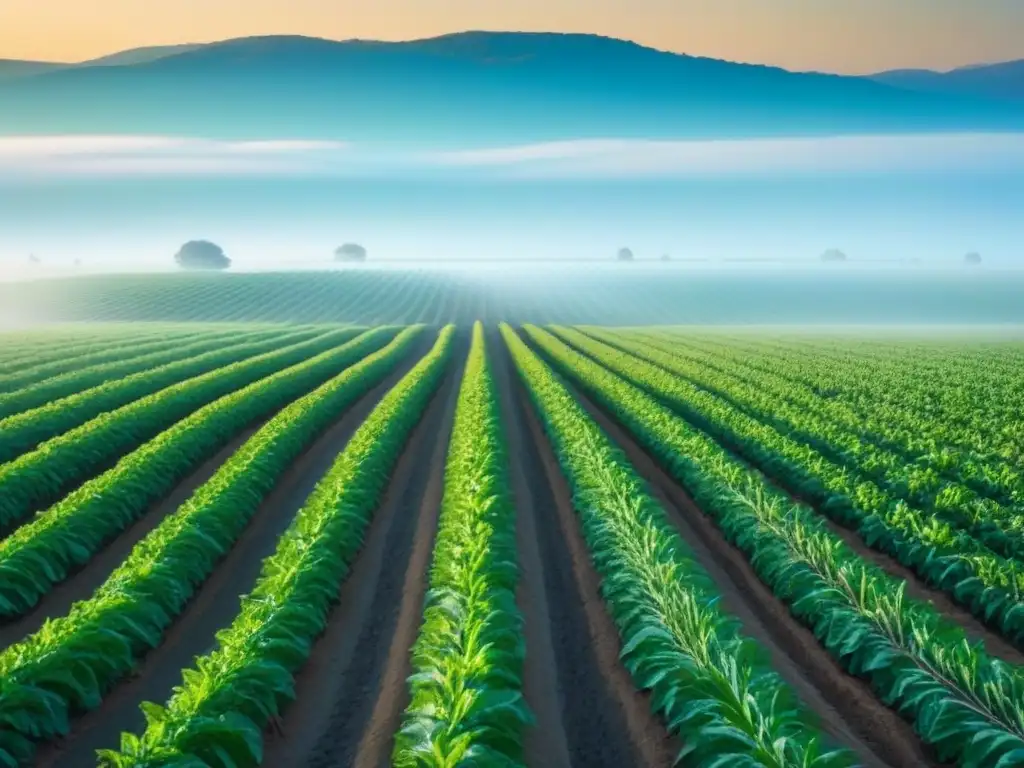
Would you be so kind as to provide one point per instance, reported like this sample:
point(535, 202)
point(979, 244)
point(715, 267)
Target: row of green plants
point(11, 381)
point(41, 477)
point(46, 550)
point(466, 703)
point(930, 457)
point(217, 715)
point(949, 559)
point(29, 350)
point(77, 381)
point(72, 662)
point(943, 403)
point(710, 684)
point(24, 431)
point(983, 371)
point(926, 358)
point(956, 409)
point(996, 526)
point(968, 706)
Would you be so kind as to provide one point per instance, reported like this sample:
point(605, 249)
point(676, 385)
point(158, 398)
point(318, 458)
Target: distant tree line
point(204, 255)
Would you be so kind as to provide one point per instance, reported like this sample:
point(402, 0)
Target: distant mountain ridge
point(465, 87)
point(1004, 80)
point(12, 68)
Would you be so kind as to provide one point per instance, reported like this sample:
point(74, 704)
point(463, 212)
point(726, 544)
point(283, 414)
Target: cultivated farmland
point(489, 544)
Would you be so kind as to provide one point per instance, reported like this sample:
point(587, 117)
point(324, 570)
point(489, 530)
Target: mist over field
point(473, 152)
point(122, 204)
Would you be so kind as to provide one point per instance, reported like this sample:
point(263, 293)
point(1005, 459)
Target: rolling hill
point(467, 87)
point(11, 69)
point(991, 81)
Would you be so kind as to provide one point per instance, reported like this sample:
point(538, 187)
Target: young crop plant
point(49, 347)
point(466, 702)
point(71, 663)
point(988, 585)
point(43, 552)
point(40, 478)
point(217, 715)
point(74, 382)
point(54, 413)
point(968, 706)
point(950, 501)
point(708, 682)
point(127, 350)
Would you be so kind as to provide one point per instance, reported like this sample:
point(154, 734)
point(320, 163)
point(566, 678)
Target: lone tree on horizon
point(833, 255)
point(350, 252)
point(973, 258)
point(201, 254)
point(666, 257)
point(625, 254)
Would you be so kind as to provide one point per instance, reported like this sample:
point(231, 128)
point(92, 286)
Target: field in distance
point(600, 293)
point(229, 544)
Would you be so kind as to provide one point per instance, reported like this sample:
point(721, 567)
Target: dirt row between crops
point(351, 692)
point(846, 708)
point(216, 602)
point(587, 711)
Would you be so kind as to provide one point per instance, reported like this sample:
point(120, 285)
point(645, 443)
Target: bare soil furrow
point(546, 743)
point(352, 690)
point(606, 721)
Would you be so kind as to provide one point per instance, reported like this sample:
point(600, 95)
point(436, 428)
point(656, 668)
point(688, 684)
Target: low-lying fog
point(127, 203)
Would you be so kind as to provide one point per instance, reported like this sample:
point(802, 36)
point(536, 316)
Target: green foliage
point(950, 405)
point(216, 716)
point(969, 706)
point(120, 353)
point(37, 479)
point(71, 662)
point(922, 483)
point(988, 585)
point(39, 347)
point(57, 405)
point(709, 683)
point(44, 551)
point(466, 703)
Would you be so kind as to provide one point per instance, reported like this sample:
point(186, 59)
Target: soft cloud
point(543, 152)
point(98, 156)
point(844, 154)
point(158, 155)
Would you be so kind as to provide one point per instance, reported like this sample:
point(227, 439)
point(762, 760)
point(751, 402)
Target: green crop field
point(606, 294)
point(228, 540)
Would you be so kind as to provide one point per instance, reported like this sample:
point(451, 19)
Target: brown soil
point(216, 602)
point(847, 709)
point(545, 743)
point(351, 691)
point(575, 668)
point(82, 583)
